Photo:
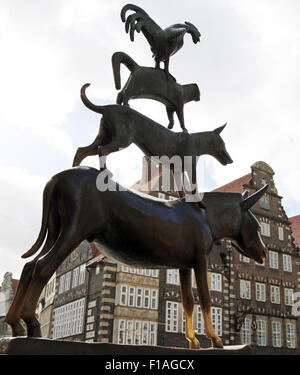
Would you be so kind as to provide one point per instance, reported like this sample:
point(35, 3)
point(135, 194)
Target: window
point(129, 333)
point(61, 284)
point(288, 296)
point(132, 270)
point(183, 325)
point(68, 281)
point(81, 274)
point(280, 233)
point(216, 282)
point(173, 277)
point(146, 298)
point(171, 316)
point(261, 333)
point(260, 292)
point(135, 332)
point(245, 289)
point(161, 196)
point(123, 295)
point(68, 319)
point(124, 268)
point(276, 334)
point(75, 277)
point(200, 322)
point(275, 294)
point(131, 296)
point(216, 317)
point(246, 332)
point(155, 273)
point(287, 263)
point(153, 334)
point(264, 202)
point(154, 299)
point(137, 336)
point(139, 295)
point(265, 229)
point(290, 335)
point(244, 259)
point(273, 259)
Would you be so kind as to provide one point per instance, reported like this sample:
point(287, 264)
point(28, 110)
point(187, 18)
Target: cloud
point(246, 65)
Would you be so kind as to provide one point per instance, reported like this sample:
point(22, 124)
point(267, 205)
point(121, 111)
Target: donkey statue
point(135, 229)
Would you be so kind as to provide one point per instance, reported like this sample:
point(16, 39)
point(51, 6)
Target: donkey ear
point(250, 201)
point(218, 130)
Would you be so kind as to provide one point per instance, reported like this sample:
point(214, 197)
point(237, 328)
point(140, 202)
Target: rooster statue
point(163, 43)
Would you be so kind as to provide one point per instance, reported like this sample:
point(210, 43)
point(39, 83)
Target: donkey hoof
point(217, 342)
point(194, 344)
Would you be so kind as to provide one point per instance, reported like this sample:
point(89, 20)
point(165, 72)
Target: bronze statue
point(163, 43)
point(138, 230)
point(150, 83)
point(120, 126)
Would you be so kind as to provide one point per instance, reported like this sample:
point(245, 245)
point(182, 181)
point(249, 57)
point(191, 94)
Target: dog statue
point(121, 126)
point(151, 83)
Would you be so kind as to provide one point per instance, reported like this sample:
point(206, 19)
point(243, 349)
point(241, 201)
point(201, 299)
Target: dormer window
point(264, 202)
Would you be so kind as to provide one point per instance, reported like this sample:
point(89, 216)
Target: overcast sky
point(246, 66)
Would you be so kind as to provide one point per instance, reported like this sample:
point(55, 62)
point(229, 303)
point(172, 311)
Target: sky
point(246, 66)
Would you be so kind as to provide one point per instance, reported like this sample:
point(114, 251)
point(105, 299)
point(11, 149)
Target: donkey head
point(249, 240)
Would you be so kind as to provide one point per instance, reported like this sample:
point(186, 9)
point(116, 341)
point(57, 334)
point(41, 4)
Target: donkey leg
point(13, 315)
point(188, 306)
point(44, 269)
point(204, 299)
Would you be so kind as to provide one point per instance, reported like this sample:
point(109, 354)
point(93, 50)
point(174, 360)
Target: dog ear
point(218, 130)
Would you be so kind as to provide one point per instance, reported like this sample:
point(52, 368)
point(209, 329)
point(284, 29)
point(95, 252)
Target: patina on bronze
point(163, 43)
point(120, 126)
point(150, 83)
point(135, 229)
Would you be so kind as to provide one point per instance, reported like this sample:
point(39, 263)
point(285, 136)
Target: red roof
point(95, 251)
point(295, 220)
point(236, 186)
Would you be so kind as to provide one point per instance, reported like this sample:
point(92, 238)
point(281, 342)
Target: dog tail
point(88, 103)
point(117, 59)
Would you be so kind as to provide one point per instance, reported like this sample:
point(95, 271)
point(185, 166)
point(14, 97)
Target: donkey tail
point(117, 59)
point(47, 195)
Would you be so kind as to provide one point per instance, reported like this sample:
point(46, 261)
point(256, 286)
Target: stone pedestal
point(41, 346)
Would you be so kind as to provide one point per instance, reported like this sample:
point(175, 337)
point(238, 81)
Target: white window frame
point(139, 297)
point(276, 335)
point(260, 292)
point(246, 332)
point(244, 259)
point(265, 229)
point(171, 316)
point(146, 299)
point(290, 335)
point(200, 321)
point(154, 299)
point(61, 287)
point(75, 277)
point(68, 281)
point(173, 276)
point(275, 294)
point(261, 332)
point(131, 296)
point(273, 260)
point(287, 262)
point(288, 296)
point(245, 289)
point(82, 272)
point(216, 318)
point(216, 282)
point(123, 295)
point(280, 233)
